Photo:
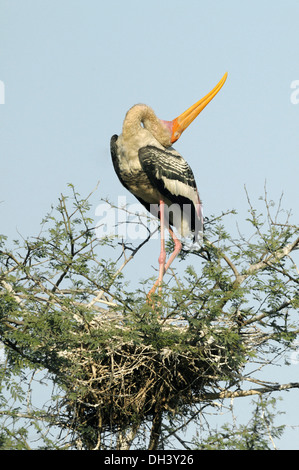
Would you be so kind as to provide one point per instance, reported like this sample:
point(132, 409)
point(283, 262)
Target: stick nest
point(127, 381)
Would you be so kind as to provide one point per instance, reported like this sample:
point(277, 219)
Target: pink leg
point(177, 249)
point(162, 258)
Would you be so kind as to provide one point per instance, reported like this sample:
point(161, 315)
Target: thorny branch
point(246, 393)
point(124, 366)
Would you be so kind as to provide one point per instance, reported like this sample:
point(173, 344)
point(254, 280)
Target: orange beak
point(179, 124)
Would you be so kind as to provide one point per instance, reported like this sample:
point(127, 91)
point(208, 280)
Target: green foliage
point(258, 434)
point(120, 360)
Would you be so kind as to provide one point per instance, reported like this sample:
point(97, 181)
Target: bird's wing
point(170, 173)
point(172, 176)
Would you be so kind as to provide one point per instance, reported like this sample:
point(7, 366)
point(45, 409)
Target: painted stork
point(157, 175)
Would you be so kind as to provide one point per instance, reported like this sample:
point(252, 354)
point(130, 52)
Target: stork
point(158, 176)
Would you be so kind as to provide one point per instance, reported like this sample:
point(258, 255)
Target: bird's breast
point(139, 184)
point(134, 176)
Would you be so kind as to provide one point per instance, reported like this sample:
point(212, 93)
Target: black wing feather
point(159, 164)
point(162, 165)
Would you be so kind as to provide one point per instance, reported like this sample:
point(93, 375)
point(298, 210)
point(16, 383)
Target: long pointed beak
point(179, 124)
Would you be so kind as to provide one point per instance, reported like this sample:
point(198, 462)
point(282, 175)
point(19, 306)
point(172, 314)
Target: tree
point(127, 371)
point(258, 434)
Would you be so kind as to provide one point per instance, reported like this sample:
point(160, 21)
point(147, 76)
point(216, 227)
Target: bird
point(158, 176)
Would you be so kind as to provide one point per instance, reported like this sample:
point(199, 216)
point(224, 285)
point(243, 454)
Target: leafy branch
point(123, 364)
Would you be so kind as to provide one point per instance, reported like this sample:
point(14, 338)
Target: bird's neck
point(141, 116)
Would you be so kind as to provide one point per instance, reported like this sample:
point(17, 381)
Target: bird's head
point(142, 125)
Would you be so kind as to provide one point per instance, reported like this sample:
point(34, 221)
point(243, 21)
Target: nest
point(126, 382)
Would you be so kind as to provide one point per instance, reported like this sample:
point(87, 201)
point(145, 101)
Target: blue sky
point(72, 68)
